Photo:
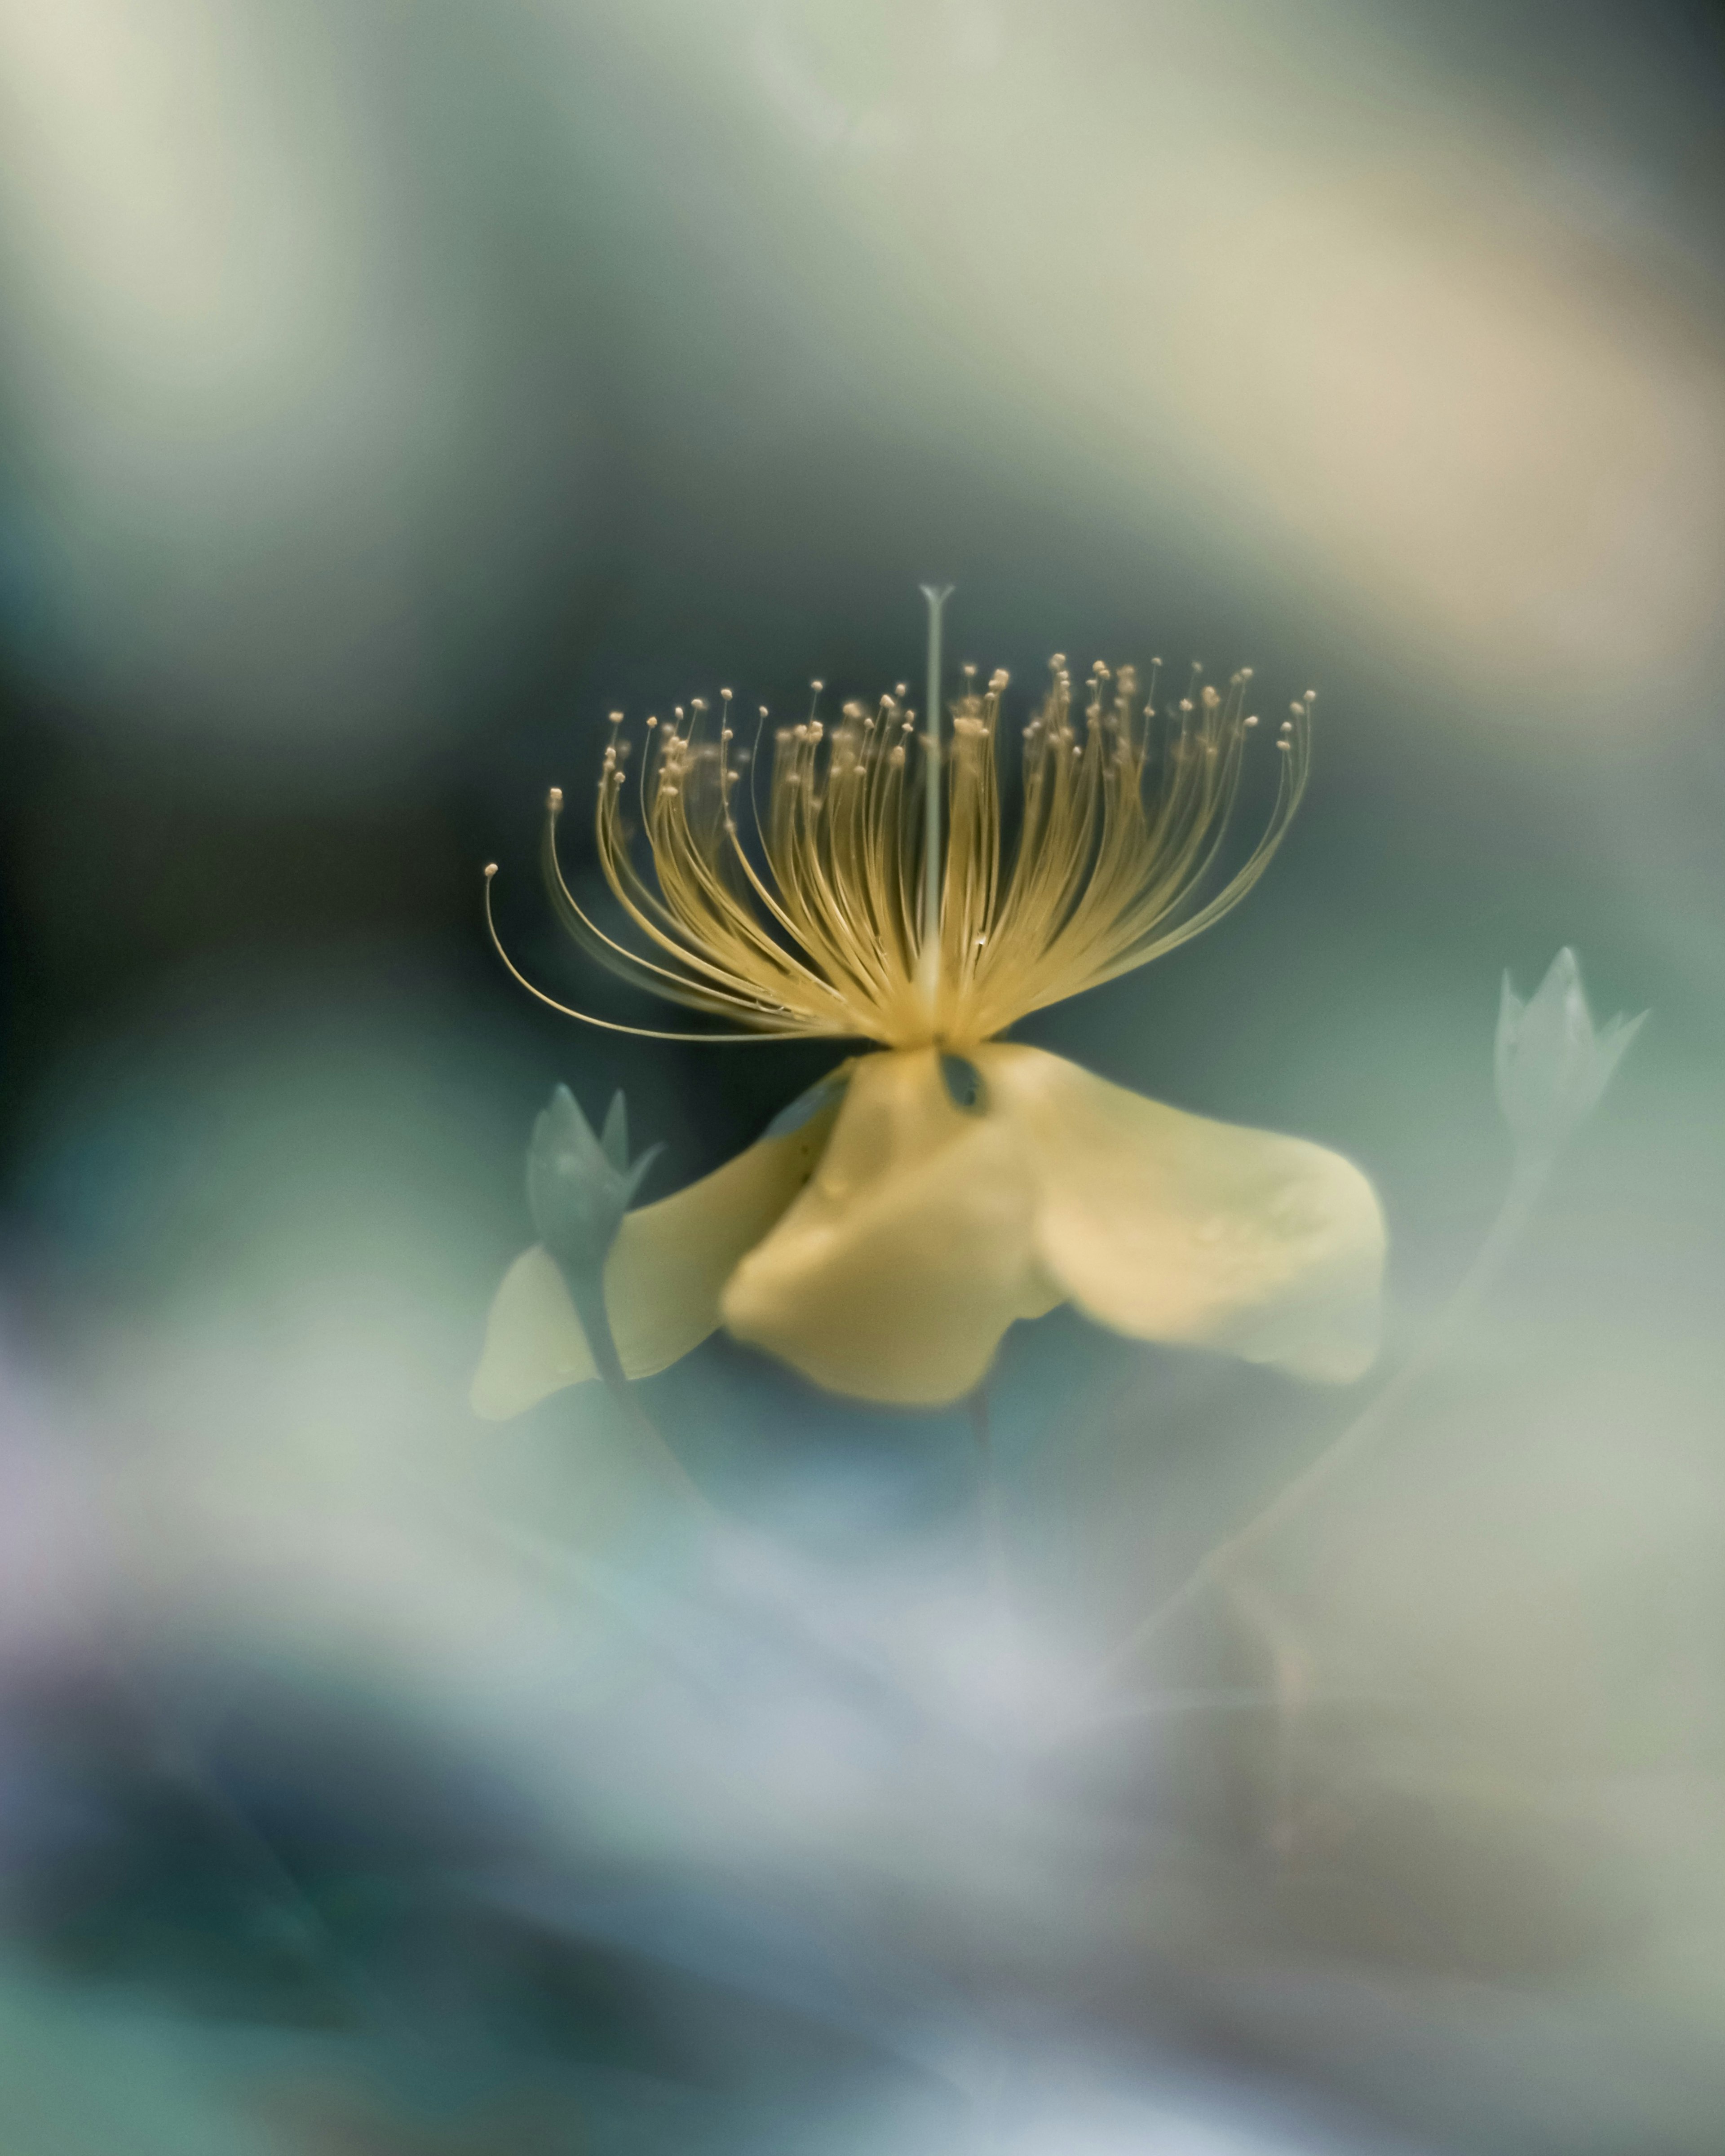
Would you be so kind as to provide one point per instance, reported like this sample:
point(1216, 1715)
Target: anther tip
point(554, 798)
point(490, 871)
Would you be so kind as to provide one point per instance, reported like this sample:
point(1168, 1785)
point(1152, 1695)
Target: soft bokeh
point(387, 393)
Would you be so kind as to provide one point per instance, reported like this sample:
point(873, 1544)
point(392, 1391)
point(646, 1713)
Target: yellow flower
point(882, 1238)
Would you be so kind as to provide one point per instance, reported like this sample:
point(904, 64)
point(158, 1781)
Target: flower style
point(886, 1230)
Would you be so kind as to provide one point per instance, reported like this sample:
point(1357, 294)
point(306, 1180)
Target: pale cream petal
point(894, 1273)
point(662, 1279)
point(671, 1260)
point(1169, 1227)
point(534, 1342)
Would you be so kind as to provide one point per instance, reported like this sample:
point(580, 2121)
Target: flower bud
point(578, 1186)
point(1552, 1065)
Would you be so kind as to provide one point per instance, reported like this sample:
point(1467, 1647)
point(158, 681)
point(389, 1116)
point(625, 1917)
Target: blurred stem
point(989, 1507)
point(587, 1291)
point(1008, 1699)
point(1527, 1181)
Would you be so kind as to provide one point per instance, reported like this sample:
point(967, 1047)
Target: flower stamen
point(833, 914)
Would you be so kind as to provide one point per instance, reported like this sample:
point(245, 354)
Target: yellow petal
point(534, 1342)
point(908, 1255)
point(1169, 1227)
point(662, 1278)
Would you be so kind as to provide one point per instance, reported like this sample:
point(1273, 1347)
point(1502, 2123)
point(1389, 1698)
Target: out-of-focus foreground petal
point(894, 1274)
point(662, 1280)
point(1170, 1227)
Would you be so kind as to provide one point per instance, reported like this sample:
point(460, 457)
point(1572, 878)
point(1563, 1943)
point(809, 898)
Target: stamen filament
point(809, 918)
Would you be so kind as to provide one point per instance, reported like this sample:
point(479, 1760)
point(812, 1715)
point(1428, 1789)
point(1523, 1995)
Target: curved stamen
point(606, 1024)
point(855, 911)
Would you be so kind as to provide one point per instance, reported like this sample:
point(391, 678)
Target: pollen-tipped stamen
point(826, 916)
